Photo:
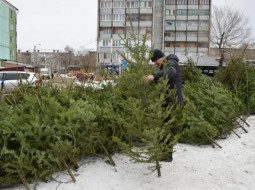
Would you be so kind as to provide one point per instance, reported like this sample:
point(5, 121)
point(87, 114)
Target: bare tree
point(89, 62)
point(229, 29)
point(67, 57)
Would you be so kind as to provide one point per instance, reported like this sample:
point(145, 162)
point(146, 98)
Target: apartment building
point(114, 18)
point(8, 34)
point(187, 27)
point(174, 26)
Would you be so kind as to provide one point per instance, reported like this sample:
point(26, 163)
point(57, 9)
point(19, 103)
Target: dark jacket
point(173, 71)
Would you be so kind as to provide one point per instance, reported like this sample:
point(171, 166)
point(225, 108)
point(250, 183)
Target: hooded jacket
point(173, 71)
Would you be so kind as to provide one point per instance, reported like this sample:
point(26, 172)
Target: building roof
point(9, 4)
point(19, 64)
point(200, 61)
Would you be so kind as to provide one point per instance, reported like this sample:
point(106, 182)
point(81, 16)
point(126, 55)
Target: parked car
point(9, 80)
point(84, 76)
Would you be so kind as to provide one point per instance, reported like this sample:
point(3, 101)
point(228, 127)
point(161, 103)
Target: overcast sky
point(57, 23)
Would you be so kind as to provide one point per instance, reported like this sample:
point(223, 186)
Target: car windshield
point(16, 76)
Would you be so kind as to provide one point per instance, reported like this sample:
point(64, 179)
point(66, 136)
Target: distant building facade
point(8, 31)
point(58, 61)
point(174, 26)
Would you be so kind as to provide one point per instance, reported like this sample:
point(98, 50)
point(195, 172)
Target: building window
point(170, 12)
point(170, 2)
point(105, 17)
point(11, 39)
point(193, 12)
point(193, 2)
point(132, 4)
point(133, 17)
point(118, 17)
point(180, 34)
point(204, 12)
point(167, 44)
point(181, 2)
point(181, 23)
point(204, 2)
point(105, 4)
point(169, 34)
point(115, 56)
point(203, 23)
point(192, 23)
point(11, 27)
point(105, 56)
point(116, 43)
point(192, 34)
point(106, 43)
point(107, 31)
point(11, 14)
point(170, 23)
point(146, 4)
point(145, 17)
point(119, 4)
point(11, 52)
point(203, 34)
point(181, 12)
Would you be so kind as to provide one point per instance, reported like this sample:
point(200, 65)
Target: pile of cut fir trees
point(47, 129)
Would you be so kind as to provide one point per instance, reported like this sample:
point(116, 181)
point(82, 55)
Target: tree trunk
point(158, 168)
point(24, 181)
point(69, 171)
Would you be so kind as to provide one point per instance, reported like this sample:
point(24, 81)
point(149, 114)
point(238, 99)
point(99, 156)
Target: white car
point(9, 80)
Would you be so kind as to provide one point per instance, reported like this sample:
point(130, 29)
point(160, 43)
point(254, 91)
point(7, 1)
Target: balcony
point(193, 17)
point(105, 23)
point(191, 49)
point(192, 6)
point(145, 23)
point(204, 28)
point(180, 49)
point(170, 38)
point(204, 17)
point(169, 49)
point(134, 23)
point(181, 38)
point(182, 6)
point(181, 17)
point(203, 39)
point(202, 50)
point(170, 17)
point(204, 7)
point(170, 7)
point(132, 11)
point(191, 38)
point(105, 36)
point(172, 28)
point(146, 11)
point(181, 28)
point(118, 23)
point(117, 36)
point(192, 28)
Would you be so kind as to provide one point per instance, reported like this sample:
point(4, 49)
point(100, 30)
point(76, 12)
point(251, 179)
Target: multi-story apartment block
point(114, 18)
point(8, 34)
point(174, 26)
point(187, 26)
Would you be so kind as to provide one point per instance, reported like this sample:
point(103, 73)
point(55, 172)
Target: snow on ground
point(193, 168)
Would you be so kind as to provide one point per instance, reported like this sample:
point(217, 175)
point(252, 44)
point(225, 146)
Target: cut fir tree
point(146, 123)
